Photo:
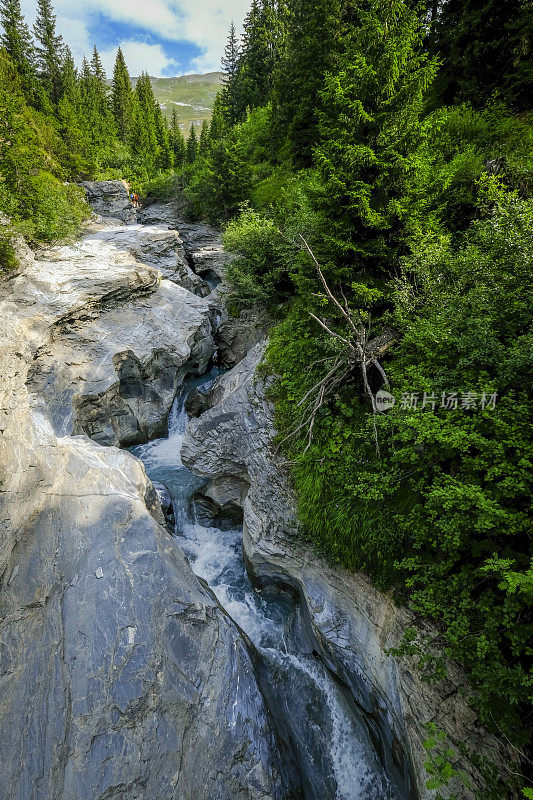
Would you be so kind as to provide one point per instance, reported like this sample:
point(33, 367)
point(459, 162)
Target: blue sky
point(163, 37)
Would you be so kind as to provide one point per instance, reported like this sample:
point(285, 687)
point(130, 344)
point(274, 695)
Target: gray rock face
point(237, 335)
point(354, 625)
point(110, 199)
point(111, 369)
point(120, 675)
point(203, 245)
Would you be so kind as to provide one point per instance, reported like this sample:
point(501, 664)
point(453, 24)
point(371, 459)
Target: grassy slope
point(192, 95)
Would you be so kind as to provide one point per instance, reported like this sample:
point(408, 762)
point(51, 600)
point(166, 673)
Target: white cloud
point(140, 57)
point(204, 23)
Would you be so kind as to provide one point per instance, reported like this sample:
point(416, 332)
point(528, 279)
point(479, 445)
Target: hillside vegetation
point(60, 125)
point(372, 166)
point(193, 96)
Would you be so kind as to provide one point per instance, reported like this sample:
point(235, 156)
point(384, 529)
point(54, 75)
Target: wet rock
point(165, 500)
point(110, 199)
point(222, 499)
point(354, 625)
point(237, 335)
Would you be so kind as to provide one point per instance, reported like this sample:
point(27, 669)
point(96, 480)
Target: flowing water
point(330, 744)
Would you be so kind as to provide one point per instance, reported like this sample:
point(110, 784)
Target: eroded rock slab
point(110, 199)
point(115, 377)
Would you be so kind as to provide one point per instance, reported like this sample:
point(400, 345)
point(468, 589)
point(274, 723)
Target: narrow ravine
point(327, 739)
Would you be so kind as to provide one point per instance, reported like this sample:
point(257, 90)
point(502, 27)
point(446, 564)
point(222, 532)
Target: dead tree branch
point(359, 354)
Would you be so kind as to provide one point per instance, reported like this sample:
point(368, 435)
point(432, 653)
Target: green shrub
point(160, 188)
point(261, 273)
point(8, 259)
point(54, 210)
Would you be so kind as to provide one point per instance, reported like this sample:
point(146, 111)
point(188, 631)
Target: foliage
point(444, 517)
point(219, 182)
point(61, 125)
point(369, 129)
point(8, 259)
point(55, 210)
point(259, 275)
point(160, 188)
point(486, 49)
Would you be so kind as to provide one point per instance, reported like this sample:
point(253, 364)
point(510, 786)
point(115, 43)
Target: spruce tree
point(96, 107)
point(104, 122)
point(16, 41)
point(203, 145)
point(262, 45)
point(97, 67)
point(370, 127)
point(122, 97)
point(176, 139)
point(311, 47)
point(485, 47)
point(192, 145)
point(50, 50)
point(144, 137)
point(219, 120)
point(230, 68)
point(69, 79)
point(165, 156)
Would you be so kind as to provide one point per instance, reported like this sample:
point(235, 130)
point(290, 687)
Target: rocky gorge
point(143, 659)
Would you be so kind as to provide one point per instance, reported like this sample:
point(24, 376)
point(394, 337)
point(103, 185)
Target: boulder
point(110, 199)
point(230, 445)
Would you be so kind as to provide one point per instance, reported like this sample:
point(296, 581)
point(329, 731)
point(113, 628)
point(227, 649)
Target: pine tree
point(96, 107)
point(370, 127)
point(50, 50)
point(262, 45)
point(69, 79)
point(312, 44)
point(144, 137)
point(230, 68)
point(176, 139)
point(203, 145)
point(16, 41)
point(122, 97)
point(219, 119)
point(192, 146)
point(165, 156)
point(485, 46)
point(97, 67)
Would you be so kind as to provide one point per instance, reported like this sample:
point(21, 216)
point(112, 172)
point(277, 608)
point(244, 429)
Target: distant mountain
point(192, 95)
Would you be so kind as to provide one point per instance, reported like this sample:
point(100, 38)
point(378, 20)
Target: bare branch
point(329, 293)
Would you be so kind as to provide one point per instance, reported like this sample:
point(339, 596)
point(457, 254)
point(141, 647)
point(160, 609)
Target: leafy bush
point(54, 210)
point(160, 188)
point(8, 260)
point(260, 275)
